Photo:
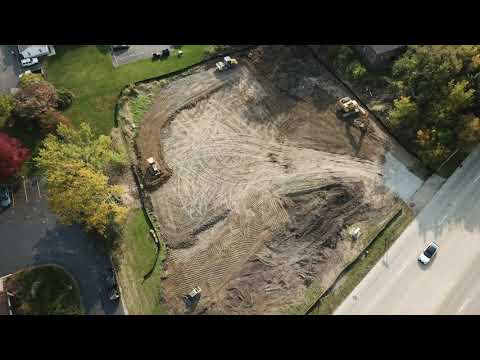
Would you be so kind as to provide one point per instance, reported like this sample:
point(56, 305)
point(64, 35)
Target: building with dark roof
point(379, 56)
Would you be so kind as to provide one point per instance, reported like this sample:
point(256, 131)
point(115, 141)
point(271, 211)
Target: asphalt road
point(135, 53)
point(9, 69)
point(30, 235)
point(399, 284)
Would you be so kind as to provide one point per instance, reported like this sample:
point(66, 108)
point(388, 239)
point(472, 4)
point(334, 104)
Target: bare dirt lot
point(264, 180)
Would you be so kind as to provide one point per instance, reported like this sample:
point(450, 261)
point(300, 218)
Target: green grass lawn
point(88, 72)
point(54, 292)
point(136, 258)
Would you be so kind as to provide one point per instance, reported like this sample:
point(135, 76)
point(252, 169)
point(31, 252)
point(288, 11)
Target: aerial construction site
point(263, 181)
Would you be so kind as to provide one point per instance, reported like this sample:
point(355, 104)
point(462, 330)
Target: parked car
point(28, 62)
point(114, 295)
point(120, 47)
point(5, 200)
point(427, 255)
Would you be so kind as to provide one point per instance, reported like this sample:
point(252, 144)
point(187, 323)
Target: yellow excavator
point(349, 109)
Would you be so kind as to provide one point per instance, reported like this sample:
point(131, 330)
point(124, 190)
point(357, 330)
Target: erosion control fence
point(314, 302)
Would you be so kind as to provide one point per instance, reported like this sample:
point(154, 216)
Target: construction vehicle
point(350, 109)
point(355, 233)
point(192, 296)
point(153, 167)
point(226, 64)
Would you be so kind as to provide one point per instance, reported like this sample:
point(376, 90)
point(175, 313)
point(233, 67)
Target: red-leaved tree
point(12, 156)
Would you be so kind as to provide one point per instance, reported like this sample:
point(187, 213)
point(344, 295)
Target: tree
point(34, 100)
point(50, 120)
point(75, 163)
point(469, 137)
point(343, 57)
point(434, 154)
point(80, 194)
point(443, 81)
point(405, 111)
point(29, 79)
point(423, 72)
point(355, 70)
point(458, 97)
point(12, 156)
point(65, 99)
point(6, 107)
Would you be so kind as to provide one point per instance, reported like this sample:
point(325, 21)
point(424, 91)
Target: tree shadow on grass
point(104, 49)
point(82, 255)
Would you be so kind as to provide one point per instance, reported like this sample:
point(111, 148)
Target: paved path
point(398, 284)
point(9, 69)
point(30, 235)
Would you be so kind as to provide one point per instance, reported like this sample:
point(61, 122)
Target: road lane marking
point(474, 181)
point(443, 219)
point(403, 268)
point(463, 305)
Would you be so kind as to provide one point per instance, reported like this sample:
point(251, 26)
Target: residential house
point(379, 56)
point(30, 51)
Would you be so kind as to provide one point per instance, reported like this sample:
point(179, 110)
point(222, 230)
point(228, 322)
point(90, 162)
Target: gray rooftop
point(25, 47)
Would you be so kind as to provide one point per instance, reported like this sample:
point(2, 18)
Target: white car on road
point(427, 255)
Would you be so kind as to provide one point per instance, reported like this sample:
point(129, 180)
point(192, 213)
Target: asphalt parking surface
point(9, 68)
point(135, 53)
point(30, 235)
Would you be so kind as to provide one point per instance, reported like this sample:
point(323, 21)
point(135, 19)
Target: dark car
point(5, 200)
point(120, 47)
point(114, 294)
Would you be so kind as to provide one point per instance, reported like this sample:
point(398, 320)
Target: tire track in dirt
point(237, 159)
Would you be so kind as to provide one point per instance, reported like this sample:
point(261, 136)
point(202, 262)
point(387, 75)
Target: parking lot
point(31, 235)
point(9, 68)
point(135, 53)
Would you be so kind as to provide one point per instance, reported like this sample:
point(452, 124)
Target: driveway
point(135, 53)
point(398, 284)
point(9, 68)
point(31, 235)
